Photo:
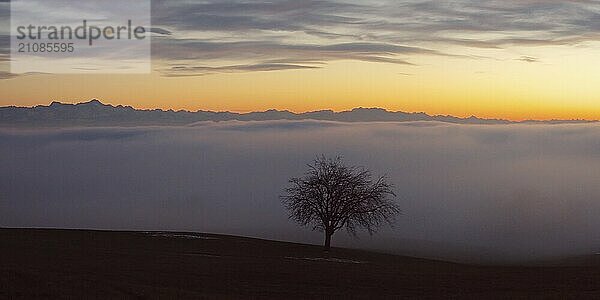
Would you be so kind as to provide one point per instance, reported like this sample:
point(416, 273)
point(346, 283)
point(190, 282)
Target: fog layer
point(502, 192)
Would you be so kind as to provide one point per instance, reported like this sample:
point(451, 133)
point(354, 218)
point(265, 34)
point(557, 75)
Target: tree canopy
point(332, 195)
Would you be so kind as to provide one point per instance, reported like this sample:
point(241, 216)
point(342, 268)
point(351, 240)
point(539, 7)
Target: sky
point(525, 59)
point(467, 192)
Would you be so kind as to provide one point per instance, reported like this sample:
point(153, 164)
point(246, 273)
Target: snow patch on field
point(336, 260)
point(203, 255)
point(182, 236)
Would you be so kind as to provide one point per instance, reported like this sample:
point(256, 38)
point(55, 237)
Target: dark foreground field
point(104, 265)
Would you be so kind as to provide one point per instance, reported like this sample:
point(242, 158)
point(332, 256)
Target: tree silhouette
point(332, 196)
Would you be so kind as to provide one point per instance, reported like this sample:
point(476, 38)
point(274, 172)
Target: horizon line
point(472, 116)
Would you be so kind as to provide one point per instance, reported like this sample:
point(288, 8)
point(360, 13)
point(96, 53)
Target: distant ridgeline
point(95, 113)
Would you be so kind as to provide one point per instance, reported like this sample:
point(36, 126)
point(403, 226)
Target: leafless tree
point(332, 196)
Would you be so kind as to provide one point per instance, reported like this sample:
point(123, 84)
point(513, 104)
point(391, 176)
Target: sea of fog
point(468, 192)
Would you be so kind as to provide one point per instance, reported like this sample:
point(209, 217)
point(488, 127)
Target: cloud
point(286, 15)
point(4, 44)
point(220, 34)
point(270, 55)
point(176, 71)
point(255, 31)
point(160, 31)
point(499, 192)
point(528, 59)
point(6, 75)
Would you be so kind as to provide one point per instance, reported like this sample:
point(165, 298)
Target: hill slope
point(76, 263)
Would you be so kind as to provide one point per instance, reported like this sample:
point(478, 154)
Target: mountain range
point(96, 113)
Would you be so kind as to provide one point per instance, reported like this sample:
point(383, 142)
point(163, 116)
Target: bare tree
point(332, 196)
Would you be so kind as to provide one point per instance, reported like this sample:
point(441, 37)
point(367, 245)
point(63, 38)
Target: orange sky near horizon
point(507, 89)
point(513, 60)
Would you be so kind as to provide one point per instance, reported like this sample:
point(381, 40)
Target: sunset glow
point(494, 59)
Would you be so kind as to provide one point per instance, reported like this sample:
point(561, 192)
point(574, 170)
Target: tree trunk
point(327, 245)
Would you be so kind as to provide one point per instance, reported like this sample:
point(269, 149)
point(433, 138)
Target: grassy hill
point(147, 265)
